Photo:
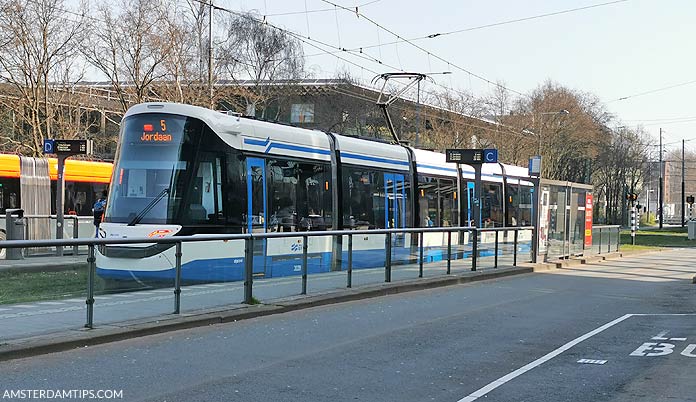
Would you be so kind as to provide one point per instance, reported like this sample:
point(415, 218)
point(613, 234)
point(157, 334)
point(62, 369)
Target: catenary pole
point(661, 190)
point(683, 207)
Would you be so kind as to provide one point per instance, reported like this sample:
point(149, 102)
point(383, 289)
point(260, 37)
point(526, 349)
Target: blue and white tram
point(185, 170)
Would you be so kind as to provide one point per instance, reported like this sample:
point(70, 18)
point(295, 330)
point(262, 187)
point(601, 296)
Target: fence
point(605, 239)
point(485, 247)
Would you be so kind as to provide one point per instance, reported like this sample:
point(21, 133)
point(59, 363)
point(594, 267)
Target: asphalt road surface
point(622, 330)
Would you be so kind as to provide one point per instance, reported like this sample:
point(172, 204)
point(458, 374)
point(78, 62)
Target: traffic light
point(631, 196)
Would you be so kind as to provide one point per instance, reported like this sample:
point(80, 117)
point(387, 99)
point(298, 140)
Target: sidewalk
point(65, 338)
point(45, 263)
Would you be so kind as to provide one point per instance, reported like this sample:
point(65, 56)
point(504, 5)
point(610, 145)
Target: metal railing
point(476, 235)
point(50, 229)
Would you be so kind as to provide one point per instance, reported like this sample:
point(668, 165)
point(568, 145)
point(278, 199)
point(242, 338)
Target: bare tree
point(124, 46)
point(38, 45)
point(254, 51)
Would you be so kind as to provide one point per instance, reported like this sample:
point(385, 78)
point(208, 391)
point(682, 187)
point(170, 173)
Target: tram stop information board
point(64, 149)
point(474, 158)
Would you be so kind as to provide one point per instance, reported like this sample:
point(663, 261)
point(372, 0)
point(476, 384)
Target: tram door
point(395, 201)
point(257, 216)
point(471, 203)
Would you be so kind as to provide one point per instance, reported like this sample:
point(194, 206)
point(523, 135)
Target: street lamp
point(541, 125)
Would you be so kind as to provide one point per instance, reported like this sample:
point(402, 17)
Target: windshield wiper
point(136, 219)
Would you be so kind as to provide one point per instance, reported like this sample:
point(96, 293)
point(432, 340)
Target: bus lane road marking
point(654, 349)
point(648, 349)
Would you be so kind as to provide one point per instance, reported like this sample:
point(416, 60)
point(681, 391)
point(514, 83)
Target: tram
point(184, 170)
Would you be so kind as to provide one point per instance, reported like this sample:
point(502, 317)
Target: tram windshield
point(151, 164)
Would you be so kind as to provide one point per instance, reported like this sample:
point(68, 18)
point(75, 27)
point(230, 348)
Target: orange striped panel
point(75, 170)
point(82, 171)
point(9, 166)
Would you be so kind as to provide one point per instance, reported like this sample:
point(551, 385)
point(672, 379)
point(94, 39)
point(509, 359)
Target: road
point(614, 331)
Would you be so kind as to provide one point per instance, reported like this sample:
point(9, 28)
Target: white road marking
point(497, 383)
point(660, 336)
point(689, 351)
point(590, 361)
point(51, 303)
point(4, 309)
point(74, 300)
point(677, 339)
point(24, 306)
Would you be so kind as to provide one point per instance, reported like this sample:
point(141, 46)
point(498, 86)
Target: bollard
point(449, 252)
point(350, 261)
point(420, 261)
point(600, 241)
point(90, 287)
point(474, 251)
point(248, 269)
point(305, 240)
point(387, 262)
point(177, 280)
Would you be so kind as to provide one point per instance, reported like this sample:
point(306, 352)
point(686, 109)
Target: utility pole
point(417, 113)
point(210, 53)
point(661, 190)
point(683, 199)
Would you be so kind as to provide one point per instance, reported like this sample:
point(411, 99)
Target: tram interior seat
point(198, 213)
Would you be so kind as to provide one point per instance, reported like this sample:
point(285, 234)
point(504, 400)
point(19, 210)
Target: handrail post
point(387, 262)
point(514, 253)
point(600, 241)
point(495, 258)
point(420, 257)
point(350, 261)
point(609, 243)
point(91, 266)
point(305, 240)
point(449, 252)
point(474, 251)
point(76, 234)
point(177, 280)
point(248, 269)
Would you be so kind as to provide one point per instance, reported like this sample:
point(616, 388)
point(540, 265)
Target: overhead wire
point(653, 91)
point(360, 14)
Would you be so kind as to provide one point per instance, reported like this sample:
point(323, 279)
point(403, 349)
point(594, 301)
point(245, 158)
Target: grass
point(652, 238)
point(20, 287)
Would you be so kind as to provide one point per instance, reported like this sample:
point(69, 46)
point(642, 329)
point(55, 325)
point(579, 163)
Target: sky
point(614, 51)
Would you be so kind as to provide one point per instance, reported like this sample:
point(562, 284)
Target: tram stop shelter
point(564, 219)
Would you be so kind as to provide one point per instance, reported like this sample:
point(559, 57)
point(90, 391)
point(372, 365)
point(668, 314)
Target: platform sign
point(471, 156)
point(588, 220)
point(48, 146)
point(535, 166)
point(67, 147)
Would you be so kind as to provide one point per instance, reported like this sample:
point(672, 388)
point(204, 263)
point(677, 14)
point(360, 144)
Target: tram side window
point(525, 205)
point(363, 198)
point(513, 205)
point(9, 193)
point(428, 201)
point(448, 196)
point(491, 206)
point(206, 192)
point(299, 196)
